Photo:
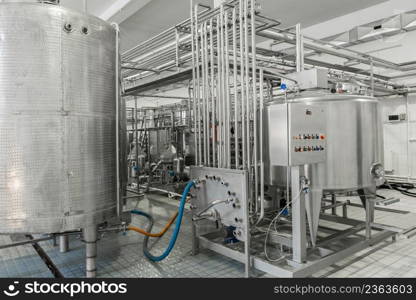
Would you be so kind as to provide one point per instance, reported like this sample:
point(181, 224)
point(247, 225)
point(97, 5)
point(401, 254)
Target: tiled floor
point(121, 255)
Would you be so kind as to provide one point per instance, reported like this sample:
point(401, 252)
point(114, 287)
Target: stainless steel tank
point(58, 119)
point(354, 144)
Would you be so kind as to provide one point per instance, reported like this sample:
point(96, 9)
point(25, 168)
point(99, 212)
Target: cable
point(274, 221)
point(176, 231)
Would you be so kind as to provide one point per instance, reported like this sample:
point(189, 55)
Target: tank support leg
point(363, 198)
point(90, 239)
point(63, 243)
point(334, 202)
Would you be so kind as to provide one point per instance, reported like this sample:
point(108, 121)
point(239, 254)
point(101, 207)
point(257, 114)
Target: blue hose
point(140, 213)
point(175, 232)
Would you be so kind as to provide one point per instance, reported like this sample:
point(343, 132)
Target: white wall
point(400, 137)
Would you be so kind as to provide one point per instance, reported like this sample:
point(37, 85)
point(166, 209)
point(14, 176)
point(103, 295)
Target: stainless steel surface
point(227, 190)
point(354, 144)
point(296, 133)
point(63, 243)
point(90, 240)
point(58, 119)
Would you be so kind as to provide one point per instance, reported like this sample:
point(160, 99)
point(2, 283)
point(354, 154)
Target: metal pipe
point(63, 243)
point(213, 125)
point(227, 98)
point(90, 240)
point(198, 92)
point(218, 100)
point(372, 78)
point(300, 60)
point(204, 92)
point(261, 111)
point(222, 87)
point(177, 37)
point(162, 97)
point(255, 111)
point(193, 81)
point(153, 189)
point(247, 84)
point(207, 92)
point(17, 244)
point(291, 39)
point(236, 111)
point(136, 125)
point(242, 72)
point(161, 51)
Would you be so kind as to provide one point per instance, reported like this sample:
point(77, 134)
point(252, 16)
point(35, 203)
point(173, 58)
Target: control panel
point(296, 133)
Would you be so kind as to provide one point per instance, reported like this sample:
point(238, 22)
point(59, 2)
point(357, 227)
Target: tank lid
point(322, 97)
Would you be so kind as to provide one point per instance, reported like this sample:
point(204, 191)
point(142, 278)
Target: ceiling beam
point(121, 10)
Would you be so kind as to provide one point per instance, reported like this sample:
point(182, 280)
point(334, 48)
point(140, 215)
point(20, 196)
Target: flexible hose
point(175, 232)
point(178, 216)
point(148, 232)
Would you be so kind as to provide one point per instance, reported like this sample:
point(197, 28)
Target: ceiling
point(96, 7)
point(310, 12)
point(149, 17)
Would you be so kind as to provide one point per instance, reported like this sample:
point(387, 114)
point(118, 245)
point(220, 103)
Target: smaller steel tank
point(354, 145)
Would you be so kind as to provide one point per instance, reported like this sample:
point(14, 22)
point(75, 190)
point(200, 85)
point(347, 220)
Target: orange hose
point(155, 235)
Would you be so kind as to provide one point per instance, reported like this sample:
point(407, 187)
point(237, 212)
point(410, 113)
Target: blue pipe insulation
point(175, 232)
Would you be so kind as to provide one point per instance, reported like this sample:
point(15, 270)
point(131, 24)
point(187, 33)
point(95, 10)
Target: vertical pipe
point(213, 125)
point(136, 128)
point(227, 132)
point(372, 77)
point(368, 217)
point(198, 91)
point(247, 244)
point(254, 101)
point(300, 60)
point(90, 239)
point(242, 73)
point(334, 202)
point(207, 91)
point(221, 72)
point(63, 243)
point(194, 65)
point(177, 48)
point(236, 111)
point(204, 92)
point(409, 166)
point(218, 100)
point(85, 6)
point(261, 111)
point(247, 86)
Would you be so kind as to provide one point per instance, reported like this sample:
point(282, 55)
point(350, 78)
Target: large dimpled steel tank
point(58, 119)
